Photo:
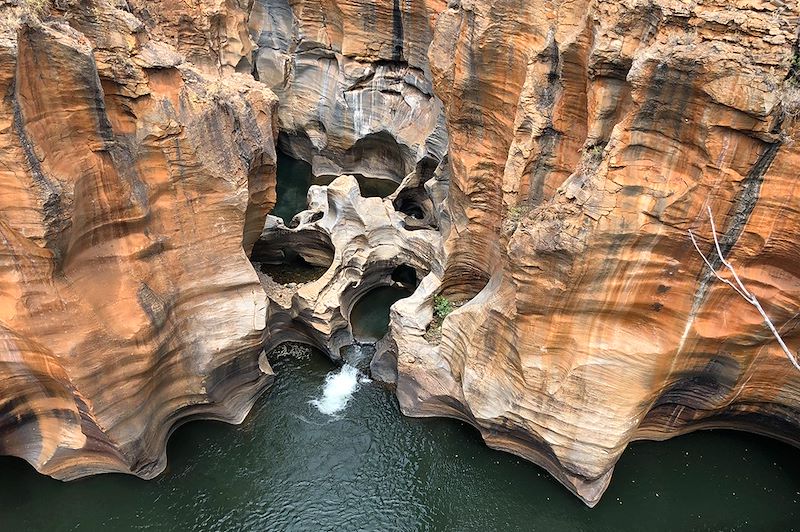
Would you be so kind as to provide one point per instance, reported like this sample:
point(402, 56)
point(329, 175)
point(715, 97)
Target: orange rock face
point(131, 187)
point(212, 34)
point(586, 139)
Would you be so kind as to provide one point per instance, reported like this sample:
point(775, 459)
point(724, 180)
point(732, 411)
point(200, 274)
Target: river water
point(328, 449)
point(296, 466)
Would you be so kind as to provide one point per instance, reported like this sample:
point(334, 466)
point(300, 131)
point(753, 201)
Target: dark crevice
point(397, 32)
point(743, 206)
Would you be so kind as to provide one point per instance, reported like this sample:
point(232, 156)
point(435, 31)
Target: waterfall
point(341, 384)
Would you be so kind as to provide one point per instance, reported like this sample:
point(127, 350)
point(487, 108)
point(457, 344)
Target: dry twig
point(740, 288)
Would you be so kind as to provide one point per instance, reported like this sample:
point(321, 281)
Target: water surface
point(294, 178)
point(370, 315)
point(292, 183)
point(292, 467)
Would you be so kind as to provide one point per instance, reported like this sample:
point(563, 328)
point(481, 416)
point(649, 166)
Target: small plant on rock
point(441, 308)
point(518, 212)
point(38, 8)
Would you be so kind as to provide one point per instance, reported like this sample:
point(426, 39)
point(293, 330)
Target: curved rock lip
point(579, 163)
point(128, 303)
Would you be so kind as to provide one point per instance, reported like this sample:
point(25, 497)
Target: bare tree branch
point(740, 288)
point(718, 276)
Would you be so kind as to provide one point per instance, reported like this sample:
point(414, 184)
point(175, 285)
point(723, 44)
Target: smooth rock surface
point(132, 185)
point(362, 242)
point(586, 139)
point(354, 82)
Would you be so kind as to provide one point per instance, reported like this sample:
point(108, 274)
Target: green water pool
point(290, 467)
point(294, 178)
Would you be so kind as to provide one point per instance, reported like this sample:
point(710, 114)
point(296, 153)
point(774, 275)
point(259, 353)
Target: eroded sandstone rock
point(131, 187)
point(362, 241)
point(354, 82)
point(587, 138)
point(212, 34)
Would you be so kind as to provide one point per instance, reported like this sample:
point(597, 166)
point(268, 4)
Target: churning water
point(290, 467)
point(339, 387)
point(341, 384)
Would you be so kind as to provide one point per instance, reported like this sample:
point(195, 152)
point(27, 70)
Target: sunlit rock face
point(353, 81)
point(553, 156)
point(586, 139)
point(132, 187)
point(213, 35)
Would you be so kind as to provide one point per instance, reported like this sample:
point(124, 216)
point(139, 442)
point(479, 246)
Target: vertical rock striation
point(132, 185)
point(354, 83)
point(586, 139)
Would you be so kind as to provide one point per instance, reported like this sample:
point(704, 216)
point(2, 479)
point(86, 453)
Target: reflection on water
point(291, 467)
point(293, 270)
point(371, 187)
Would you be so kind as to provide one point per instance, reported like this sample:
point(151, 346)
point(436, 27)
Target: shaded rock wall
point(132, 185)
point(587, 138)
point(354, 82)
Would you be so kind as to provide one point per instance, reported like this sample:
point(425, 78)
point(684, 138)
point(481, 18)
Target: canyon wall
point(563, 150)
point(586, 140)
point(132, 186)
point(353, 81)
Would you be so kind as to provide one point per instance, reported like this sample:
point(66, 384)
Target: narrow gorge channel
point(327, 448)
point(368, 467)
point(419, 266)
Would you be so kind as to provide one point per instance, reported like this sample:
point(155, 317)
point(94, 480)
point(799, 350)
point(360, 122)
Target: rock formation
point(553, 156)
point(361, 241)
point(354, 83)
point(586, 139)
point(127, 301)
point(212, 35)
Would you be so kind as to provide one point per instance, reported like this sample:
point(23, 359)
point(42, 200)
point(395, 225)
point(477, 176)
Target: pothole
point(369, 318)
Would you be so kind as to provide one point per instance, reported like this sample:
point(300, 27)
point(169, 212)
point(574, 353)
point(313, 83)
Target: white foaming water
point(338, 389)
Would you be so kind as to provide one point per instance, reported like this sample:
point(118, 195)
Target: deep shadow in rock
point(377, 155)
point(413, 198)
point(293, 181)
point(406, 276)
point(294, 257)
point(369, 318)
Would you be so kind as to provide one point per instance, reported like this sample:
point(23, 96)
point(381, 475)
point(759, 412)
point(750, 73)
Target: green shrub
point(441, 308)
